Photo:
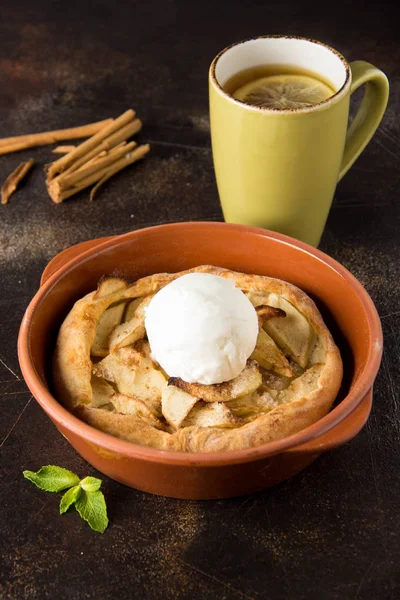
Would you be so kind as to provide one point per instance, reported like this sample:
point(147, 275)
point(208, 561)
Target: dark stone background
point(331, 532)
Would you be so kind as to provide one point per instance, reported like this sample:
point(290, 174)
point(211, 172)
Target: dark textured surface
point(331, 532)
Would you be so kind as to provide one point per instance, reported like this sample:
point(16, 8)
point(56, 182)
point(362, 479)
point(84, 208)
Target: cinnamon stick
point(94, 160)
point(86, 147)
point(86, 164)
point(58, 194)
point(22, 142)
point(73, 179)
point(144, 150)
point(63, 149)
point(14, 179)
point(107, 144)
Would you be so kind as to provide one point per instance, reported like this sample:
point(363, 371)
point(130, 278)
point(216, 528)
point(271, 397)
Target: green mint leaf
point(69, 498)
point(90, 484)
point(52, 478)
point(92, 508)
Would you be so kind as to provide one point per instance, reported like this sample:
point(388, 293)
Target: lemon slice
point(284, 92)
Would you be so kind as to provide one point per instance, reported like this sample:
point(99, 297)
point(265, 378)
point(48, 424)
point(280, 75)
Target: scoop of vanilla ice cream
point(201, 328)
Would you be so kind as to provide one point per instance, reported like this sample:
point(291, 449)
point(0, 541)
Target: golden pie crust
point(104, 374)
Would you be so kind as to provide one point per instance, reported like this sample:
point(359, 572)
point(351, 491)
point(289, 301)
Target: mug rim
point(283, 111)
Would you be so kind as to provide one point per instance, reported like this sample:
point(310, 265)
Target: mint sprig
point(90, 484)
point(52, 479)
point(92, 508)
point(70, 498)
point(84, 494)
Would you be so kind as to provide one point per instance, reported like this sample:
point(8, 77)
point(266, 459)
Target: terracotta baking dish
point(346, 307)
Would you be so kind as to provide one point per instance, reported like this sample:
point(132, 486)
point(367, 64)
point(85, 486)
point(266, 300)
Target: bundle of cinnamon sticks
point(105, 153)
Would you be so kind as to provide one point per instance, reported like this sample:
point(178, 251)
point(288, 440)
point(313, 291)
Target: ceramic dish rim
point(63, 418)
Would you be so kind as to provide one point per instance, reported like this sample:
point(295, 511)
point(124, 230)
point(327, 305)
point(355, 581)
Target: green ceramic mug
point(278, 169)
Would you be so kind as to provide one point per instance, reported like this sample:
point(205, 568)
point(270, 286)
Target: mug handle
point(369, 114)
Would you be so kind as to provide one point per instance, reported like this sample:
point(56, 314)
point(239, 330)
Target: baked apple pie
point(106, 373)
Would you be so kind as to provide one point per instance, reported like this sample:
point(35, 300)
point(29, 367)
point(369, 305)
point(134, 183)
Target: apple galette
point(104, 371)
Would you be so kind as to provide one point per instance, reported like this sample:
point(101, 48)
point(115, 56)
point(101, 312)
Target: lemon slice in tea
point(284, 92)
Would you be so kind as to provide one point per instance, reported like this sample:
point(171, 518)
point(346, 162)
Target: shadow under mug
point(278, 168)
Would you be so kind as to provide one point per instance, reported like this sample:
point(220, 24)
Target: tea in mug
point(281, 87)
